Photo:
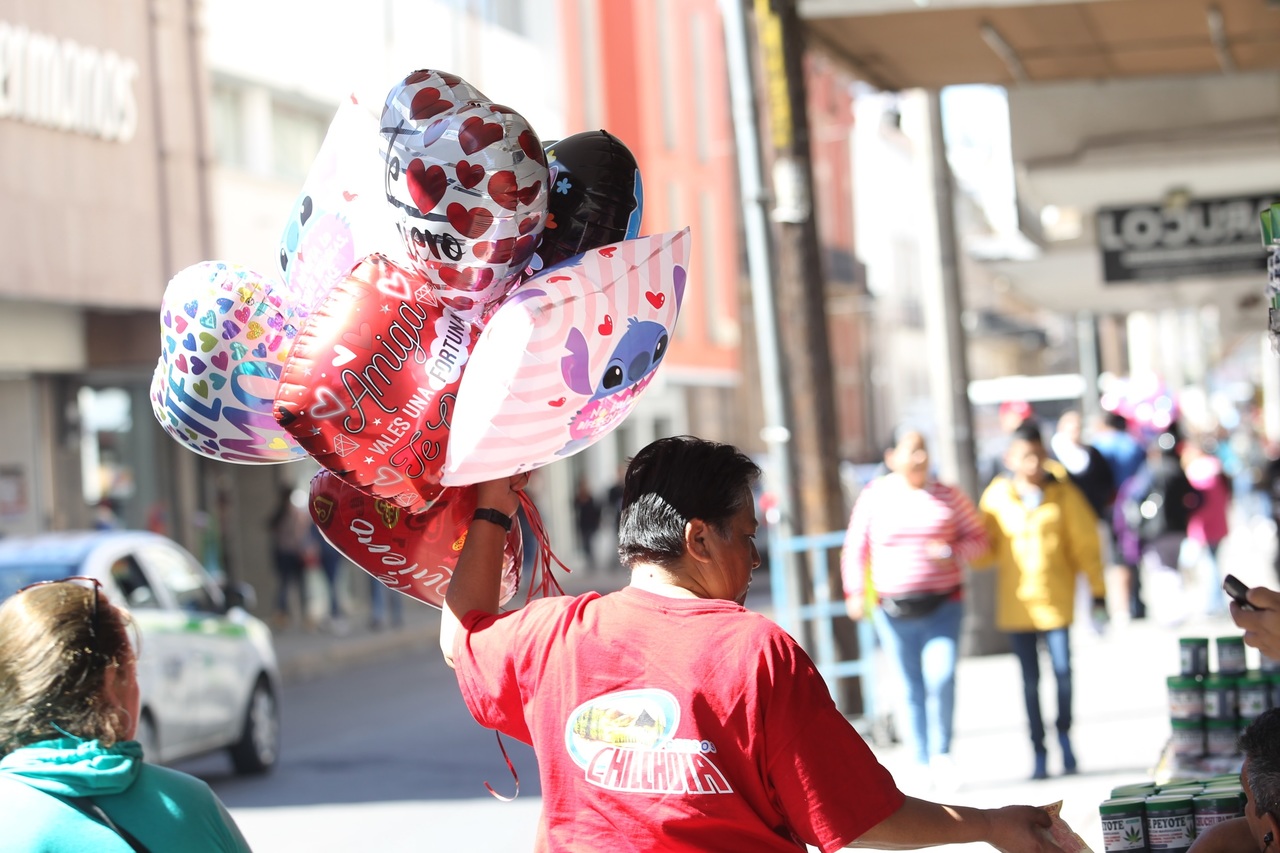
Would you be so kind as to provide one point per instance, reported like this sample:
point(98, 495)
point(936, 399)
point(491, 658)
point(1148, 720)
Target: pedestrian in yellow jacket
point(1041, 534)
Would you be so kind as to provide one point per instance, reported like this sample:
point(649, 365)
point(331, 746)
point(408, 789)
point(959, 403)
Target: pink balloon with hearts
point(224, 338)
point(565, 358)
point(468, 179)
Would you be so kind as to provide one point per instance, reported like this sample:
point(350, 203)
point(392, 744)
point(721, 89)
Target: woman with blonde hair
point(71, 776)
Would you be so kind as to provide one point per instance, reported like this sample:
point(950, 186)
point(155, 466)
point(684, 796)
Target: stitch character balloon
point(566, 357)
point(340, 216)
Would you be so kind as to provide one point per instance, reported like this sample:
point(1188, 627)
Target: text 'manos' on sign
point(1203, 237)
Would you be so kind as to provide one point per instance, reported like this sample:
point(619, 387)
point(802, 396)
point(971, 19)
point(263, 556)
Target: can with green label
point(1253, 690)
point(1220, 696)
point(1186, 698)
point(1220, 737)
point(1133, 789)
point(1170, 823)
point(1215, 807)
point(1193, 655)
point(1188, 738)
point(1231, 659)
point(1123, 827)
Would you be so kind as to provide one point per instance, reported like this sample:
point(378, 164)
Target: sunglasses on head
point(82, 581)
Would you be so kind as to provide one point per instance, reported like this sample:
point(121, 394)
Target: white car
point(206, 667)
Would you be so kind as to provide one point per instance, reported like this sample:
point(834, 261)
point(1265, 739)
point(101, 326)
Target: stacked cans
point(1208, 708)
point(1149, 818)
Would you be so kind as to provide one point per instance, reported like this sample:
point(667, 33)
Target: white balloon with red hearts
point(468, 180)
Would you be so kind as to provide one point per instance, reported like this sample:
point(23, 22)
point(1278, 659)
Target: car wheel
point(259, 744)
point(146, 736)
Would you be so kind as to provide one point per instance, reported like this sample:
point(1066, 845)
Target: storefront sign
point(1204, 237)
point(57, 83)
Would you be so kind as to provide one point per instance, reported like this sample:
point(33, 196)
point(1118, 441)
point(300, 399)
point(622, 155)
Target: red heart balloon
point(370, 383)
point(410, 552)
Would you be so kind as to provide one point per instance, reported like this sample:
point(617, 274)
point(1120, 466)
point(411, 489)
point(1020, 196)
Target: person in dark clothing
point(1126, 456)
point(586, 514)
point(1085, 464)
point(1158, 506)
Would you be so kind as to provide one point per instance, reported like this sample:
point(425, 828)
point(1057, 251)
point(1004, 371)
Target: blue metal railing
point(792, 615)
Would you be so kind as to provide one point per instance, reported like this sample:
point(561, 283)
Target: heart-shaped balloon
point(596, 197)
point(413, 553)
point(224, 339)
point(468, 179)
point(563, 360)
point(370, 384)
point(341, 214)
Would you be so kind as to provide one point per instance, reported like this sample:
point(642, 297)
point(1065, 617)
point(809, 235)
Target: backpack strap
point(91, 809)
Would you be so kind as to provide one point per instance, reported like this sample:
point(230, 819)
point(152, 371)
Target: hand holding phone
point(1233, 587)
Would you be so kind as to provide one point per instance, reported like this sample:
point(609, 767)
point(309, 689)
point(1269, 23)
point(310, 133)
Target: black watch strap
point(489, 514)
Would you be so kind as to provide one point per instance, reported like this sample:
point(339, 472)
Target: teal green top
point(163, 808)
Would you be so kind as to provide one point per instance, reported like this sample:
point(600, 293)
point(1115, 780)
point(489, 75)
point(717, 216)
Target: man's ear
point(696, 532)
point(1270, 830)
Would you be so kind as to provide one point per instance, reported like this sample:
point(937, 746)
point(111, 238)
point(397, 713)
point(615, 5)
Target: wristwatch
point(491, 515)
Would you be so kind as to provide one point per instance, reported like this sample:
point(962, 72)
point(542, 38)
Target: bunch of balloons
point(455, 302)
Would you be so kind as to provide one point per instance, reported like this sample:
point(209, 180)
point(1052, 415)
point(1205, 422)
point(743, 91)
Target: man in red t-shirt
point(665, 716)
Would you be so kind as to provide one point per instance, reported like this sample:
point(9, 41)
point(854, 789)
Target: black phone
point(1233, 587)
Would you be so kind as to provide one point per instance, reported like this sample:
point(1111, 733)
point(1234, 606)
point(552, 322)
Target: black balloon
point(595, 199)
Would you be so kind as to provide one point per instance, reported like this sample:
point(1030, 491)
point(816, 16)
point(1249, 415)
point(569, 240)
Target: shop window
point(106, 473)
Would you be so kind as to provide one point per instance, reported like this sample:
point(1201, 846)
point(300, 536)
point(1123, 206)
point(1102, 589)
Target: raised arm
point(921, 823)
point(477, 579)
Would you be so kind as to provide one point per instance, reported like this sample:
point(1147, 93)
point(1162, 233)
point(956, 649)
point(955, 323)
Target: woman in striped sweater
point(909, 536)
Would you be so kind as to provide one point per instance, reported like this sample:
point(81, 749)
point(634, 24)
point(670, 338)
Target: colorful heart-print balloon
point(468, 181)
point(563, 360)
point(370, 383)
point(412, 553)
point(596, 197)
point(214, 391)
point(341, 214)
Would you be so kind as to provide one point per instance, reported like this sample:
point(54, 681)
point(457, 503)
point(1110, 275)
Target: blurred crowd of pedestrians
point(1063, 509)
point(311, 577)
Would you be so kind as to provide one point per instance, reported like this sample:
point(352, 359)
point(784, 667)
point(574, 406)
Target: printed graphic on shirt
point(625, 741)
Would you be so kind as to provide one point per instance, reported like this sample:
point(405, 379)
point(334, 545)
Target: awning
point(902, 44)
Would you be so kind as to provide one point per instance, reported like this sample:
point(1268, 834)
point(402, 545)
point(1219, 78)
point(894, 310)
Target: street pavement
point(1121, 723)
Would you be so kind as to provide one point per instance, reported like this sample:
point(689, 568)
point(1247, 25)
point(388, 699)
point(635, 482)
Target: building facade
point(104, 196)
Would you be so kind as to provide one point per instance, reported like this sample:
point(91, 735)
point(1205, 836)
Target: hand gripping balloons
point(596, 197)
point(369, 386)
point(564, 359)
point(469, 181)
point(412, 553)
point(224, 339)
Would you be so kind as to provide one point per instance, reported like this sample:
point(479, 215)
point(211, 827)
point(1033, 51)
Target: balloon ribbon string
point(510, 767)
point(543, 580)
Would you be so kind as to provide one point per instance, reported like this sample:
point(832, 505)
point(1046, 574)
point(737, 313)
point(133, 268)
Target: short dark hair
point(1028, 430)
point(672, 481)
point(1117, 421)
point(1260, 744)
